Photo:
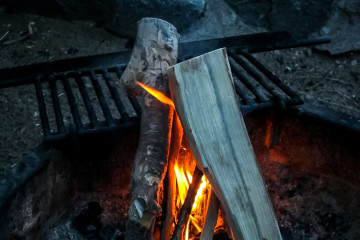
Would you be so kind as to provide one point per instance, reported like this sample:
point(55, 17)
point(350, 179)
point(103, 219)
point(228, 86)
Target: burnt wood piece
point(170, 188)
point(204, 95)
point(211, 217)
point(154, 51)
point(188, 203)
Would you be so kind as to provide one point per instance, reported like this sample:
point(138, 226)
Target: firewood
point(170, 190)
point(155, 49)
point(204, 96)
point(188, 203)
point(211, 217)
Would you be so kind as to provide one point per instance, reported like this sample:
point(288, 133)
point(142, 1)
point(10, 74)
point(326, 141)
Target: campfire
point(203, 91)
point(194, 174)
point(183, 169)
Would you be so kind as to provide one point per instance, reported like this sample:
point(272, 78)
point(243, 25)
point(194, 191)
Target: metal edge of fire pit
point(32, 163)
point(329, 116)
point(40, 156)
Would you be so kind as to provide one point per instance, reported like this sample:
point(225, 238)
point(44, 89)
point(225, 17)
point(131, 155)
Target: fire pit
point(84, 192)
point(81, 189)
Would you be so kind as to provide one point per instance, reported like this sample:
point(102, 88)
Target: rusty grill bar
point(256, 86)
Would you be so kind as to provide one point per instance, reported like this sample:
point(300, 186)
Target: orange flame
point(158, 95)
point(183, 179)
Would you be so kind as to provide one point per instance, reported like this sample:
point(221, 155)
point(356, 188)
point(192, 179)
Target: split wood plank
point(205, 100)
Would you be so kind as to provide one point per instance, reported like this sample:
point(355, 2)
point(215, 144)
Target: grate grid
point(91, 85)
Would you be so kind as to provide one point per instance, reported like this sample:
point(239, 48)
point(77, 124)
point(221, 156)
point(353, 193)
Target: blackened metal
point(254, 74)
point(242, 97)
point(133, 101)
point(42, 107)
point(269, 74)
point(78, 68)
point(279, 117)
point(23, 75)
point(326, 115)
point(255, 90)
point(87, 102)
point(71, 98)
point(56, 104)
point(114, 93)
point(104, 106)
point(259, 42)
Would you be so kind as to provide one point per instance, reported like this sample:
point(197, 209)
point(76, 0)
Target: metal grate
point(256, 86)
point(123, 114)
point(89, 85)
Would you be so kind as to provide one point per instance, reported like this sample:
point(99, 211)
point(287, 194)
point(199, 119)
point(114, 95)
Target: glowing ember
point(158, 95)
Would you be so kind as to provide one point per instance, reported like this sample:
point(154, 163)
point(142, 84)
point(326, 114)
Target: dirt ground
point(332, 81)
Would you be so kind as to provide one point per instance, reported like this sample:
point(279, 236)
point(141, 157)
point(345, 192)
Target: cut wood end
point(156, 49)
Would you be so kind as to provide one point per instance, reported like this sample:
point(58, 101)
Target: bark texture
point(155, 50)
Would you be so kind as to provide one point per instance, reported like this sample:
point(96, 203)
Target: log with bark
point(204, 96)
point(155, 49)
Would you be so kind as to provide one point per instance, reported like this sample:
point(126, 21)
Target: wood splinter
point(156, 49)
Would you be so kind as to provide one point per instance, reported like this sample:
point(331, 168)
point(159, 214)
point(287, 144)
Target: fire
point(158, 95)
point(196, 219)
point(184, 178)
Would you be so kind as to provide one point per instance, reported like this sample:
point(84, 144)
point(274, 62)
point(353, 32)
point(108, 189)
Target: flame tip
point(156, 94)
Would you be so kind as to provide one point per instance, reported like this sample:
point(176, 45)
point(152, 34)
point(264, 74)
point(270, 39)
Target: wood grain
point(203, 91)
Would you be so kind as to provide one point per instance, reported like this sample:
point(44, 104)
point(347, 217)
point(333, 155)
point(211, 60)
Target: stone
point(180, 13)
point(121, 16)
point(337, 19)
point(300, 18)
point(309, 52)
point(252, 12)
point(343, 28)
point(219, 20)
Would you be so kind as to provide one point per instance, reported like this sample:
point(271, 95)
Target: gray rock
point(343, 28)
point(218, 20)
point(252, 12)
point(299, 17)
point(121, 16)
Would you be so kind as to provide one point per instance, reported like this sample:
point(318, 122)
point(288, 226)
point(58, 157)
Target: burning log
point(155, 50)
point(170, 188)
point(203, 92)
point(211, 217)
point(189, 201)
